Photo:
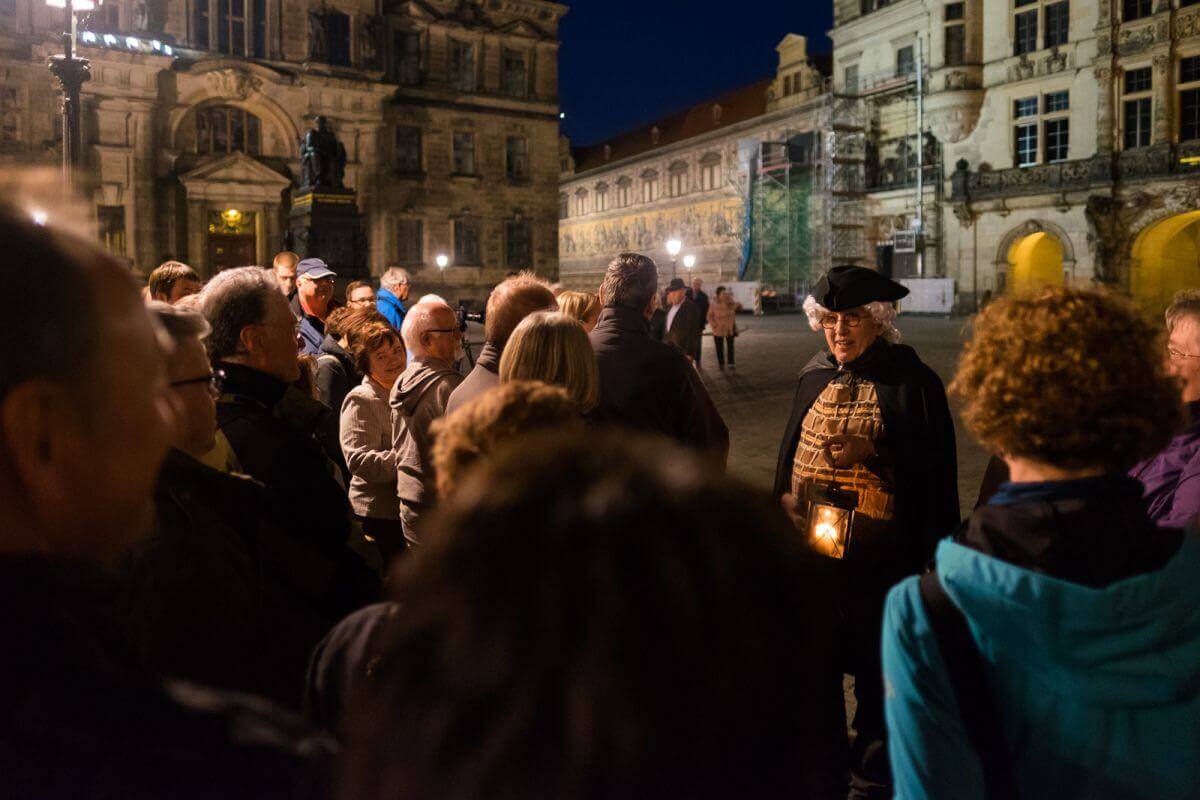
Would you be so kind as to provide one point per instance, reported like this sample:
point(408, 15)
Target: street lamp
point(689, 261)
point(71, 73)
point(442, 261)
point(673, 248)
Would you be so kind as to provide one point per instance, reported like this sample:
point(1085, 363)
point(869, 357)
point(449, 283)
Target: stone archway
point(1033, 255)
point(1165, 259)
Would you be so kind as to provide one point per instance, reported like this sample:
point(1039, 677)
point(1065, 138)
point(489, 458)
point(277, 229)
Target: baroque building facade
point(195, 111)
point(1062, 147)
point(686, 176)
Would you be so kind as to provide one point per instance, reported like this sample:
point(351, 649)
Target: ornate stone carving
point(1137, 40)
point(233, 83)
point(1187, 26)
point(1104, 44)
point(1109, 229)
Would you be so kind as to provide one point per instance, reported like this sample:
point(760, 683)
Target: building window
point(1138, 80)
point(906, 63)
point(649, 187)
point(408, 149)
point(850, 79)
point(1137, 122)
point(408, 58)
point(466, 241)
point(200, 24)
point(1025, 34)
point(1025, 107)
point(462, 66)
point(410, 242)
point(581, 202)
point(1056, 101)
point(1189, 114)
point(330, 42)
point(956, 45)
point(564, 206)
point(464, 153)
point(1026, 144)
point(10, 127)
point(710, 173)
point(225, 129)
point(1189, 69)
point(1135, 9)
point(623, 190)
point(514, 79)
point(517, 158)
point(112, 228)
point(105, 18)
point(677, 180)
point(517, 250)
point(955, 11)
point(602, 197)
point(1058, 24)
point(1057, 140)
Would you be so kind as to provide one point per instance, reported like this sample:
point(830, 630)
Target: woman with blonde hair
point(552, 347)
point(722, 318)
point(582, 306)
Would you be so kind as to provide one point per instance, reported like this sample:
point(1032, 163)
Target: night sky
point(624, 63)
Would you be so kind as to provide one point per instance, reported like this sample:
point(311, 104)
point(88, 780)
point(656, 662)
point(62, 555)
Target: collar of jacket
point(624, 319)
point(330, 346)
point(243, 381)
point(387, 296)
point(489, 358)
point(1093, 531)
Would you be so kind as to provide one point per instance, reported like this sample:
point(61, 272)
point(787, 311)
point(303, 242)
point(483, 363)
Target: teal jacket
point(1097, 690)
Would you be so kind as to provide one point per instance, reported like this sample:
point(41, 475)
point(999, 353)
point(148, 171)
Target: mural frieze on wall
point(713, 222)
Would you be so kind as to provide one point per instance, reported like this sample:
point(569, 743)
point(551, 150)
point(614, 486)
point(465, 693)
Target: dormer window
point(654, 134)
point(716, 113)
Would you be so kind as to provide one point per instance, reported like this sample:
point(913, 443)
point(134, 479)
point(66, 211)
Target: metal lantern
point(831, 520)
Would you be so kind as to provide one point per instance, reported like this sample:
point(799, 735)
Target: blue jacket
point(391, 307)
point(1096, 689)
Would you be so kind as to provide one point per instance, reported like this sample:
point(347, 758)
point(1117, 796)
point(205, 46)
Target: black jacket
point(219, 594)
point(686, 329)
point(79, 717)
point(701, 301)
point(920, 434)
point(651, 386)
point(336, 374)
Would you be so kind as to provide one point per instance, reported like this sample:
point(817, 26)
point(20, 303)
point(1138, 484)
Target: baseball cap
point(315, 269)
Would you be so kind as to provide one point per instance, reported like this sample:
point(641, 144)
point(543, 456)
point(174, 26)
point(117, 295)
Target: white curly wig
point(882, 313)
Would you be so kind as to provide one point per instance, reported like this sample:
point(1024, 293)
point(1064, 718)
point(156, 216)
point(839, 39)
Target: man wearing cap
point(684, 325)
point(314, 291)
point(871, 420)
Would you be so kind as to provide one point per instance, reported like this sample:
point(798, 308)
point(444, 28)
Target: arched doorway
point(1035, 260)
point(1166, 258)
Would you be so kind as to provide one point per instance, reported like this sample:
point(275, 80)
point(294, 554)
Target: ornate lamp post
point(689, 261)
point(71, 73)
point(442, 261)
point(673, 248)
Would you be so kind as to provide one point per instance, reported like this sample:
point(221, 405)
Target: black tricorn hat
point(846, 287)
point(676, 284)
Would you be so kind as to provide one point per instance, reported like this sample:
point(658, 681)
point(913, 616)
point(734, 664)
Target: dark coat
point(484, 377)
point(336, 374)
point(81, 718)
point(686, 329)
point(701, 301)
point(651, 386)
point(220, 595)
point(658, 325)
point(920, 435)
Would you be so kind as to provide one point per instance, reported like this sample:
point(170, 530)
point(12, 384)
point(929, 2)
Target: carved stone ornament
point(233, 83)
point(1187, 26)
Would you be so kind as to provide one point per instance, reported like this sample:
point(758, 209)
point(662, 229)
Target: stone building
point(195, 110)
point(686, 176)
point(1065, 144)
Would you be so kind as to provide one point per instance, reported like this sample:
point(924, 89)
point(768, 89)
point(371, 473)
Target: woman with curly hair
point(1055, 651)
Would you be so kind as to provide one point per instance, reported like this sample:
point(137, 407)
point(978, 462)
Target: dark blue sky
point(628, 62)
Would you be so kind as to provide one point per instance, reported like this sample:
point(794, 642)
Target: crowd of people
point(265, 538)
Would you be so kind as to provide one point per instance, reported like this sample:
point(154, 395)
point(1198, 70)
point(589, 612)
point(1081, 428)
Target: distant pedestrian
point(722, 318)
point(646, 384)
point(393, 292)
point(284, 268)
point(314, 293)
point(583, 306)
point(551, 347)
point(434, 341)
point(512, 300)
point(171, 281)
point(359, 294)
point(683, 324)
point(697, 295)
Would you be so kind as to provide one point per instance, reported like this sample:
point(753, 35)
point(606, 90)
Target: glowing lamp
point(830, 521)
point(689, 261)
point(232, 217)
point(674, 246)
point(442, 261)
point(38, 216)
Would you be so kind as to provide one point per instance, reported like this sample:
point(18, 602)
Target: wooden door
point(227, 250)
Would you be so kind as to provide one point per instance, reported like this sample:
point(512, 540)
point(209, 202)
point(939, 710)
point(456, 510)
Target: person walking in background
point(646, 384)
point(697, 295)
point(582, 306)
point(551, 347)
point(393, 291)
point(683, 325)
point(359, 295)
point(366, 433)
point(722, 318)
point(1172, 477)
point(434, 341)
point(314, 296)
point(511, 301)
point(171, 281)
point(1055, 650)
point(284, 268)
point(870, 428)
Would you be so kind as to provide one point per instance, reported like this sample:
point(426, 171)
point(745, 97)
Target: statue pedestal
point(326, 224)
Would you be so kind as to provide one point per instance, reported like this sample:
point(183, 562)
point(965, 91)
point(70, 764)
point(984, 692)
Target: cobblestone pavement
point(756, 398)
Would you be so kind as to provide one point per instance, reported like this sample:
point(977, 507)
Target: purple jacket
point(1172, 478)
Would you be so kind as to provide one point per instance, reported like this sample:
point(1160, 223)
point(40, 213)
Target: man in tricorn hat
point(870, 422)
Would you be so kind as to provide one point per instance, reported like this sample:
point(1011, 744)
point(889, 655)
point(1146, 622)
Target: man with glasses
point(871, 430)
point(1172, 478)
point(434, 341)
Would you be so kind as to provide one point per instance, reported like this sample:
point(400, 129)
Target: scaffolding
point(843, 170)
point(781, 202)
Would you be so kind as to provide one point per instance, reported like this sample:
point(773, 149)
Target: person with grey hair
point(870, 429)
point(1172, 478)
point(393, 291)
point(644, 383)
point(85, 430)
point(276, 432)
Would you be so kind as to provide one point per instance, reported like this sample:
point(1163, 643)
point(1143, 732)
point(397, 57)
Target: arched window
point(710, 172)
point(601, 196)
point(649, 186)
point(564, 206)
point(581, 202)
point(677, 182)
point(225, 129)
point(623, 191)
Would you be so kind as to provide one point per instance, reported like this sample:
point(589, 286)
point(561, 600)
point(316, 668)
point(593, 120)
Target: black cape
point(920, 433)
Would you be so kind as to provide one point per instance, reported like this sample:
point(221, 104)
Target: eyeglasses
point(1179, 355)
point(445, 330)
point(214, 379)
point(852, 321)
